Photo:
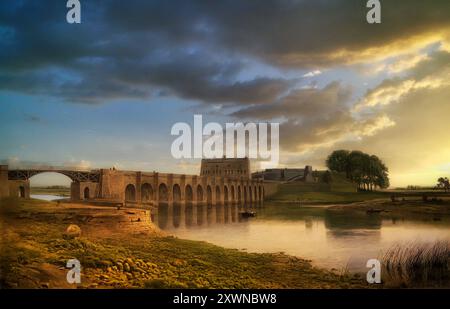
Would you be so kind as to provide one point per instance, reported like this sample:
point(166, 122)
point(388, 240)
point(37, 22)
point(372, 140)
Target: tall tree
point(444, 183)
point(338, 161)
point(367, 171)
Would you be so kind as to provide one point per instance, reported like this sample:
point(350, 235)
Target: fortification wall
point(4, 184)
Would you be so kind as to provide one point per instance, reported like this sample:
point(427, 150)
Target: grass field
point(340, 190)
point(291, 195)
point(53, 190)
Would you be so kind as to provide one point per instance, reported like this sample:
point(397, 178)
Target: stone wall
point(20, 188)
point(83, 190)
point(226, 167)
point(270, 188)
point(4, 184)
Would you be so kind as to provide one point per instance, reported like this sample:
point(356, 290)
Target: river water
point(329, 239)
point(47, 197)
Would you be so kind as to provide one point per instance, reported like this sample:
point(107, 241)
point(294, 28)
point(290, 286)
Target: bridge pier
point(15, 187)
point(85, 190)
point(20, 188)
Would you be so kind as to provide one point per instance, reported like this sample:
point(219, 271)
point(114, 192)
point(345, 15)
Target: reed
point(417, 265)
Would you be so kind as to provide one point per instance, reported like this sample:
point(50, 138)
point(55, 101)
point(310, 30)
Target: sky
point(107, 92)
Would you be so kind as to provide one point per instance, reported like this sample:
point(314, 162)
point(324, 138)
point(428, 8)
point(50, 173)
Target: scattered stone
point(72, 231)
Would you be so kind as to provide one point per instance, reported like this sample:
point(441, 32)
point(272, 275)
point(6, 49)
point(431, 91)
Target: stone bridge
point(135, 187)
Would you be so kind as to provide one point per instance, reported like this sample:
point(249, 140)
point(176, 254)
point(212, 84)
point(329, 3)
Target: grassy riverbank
point(34, 253)
point(51, 190)
point(326, 197)
point(339, 191)
point(408, 207)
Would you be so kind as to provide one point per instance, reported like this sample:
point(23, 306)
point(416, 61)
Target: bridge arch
point(199, 193)
point(217, 194)
point(22, 192)
point(225, 194)
point(209, 194)
point(74, 175)
point(176, 193)
point(163, 194)
point(51, 178)
point(130, 193)
point(86, 194)
point(188, 195)
point(146, 192)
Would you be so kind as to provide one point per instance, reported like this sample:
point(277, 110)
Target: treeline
point(443, 183)
point(367, 171)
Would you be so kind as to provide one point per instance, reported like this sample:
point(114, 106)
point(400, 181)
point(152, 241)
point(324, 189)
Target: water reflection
point(330, 239)
point(191, 215)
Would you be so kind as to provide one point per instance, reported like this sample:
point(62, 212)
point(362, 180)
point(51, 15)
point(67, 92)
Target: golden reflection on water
point(327, 239)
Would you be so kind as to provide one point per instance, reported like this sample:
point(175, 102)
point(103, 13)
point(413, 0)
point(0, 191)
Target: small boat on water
point(374, 210)
point(247, 214)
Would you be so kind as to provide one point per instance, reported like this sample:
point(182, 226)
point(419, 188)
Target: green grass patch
point(290, 194)
point(52, 190)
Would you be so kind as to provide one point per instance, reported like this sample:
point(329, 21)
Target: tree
point(367, 171)
point(338, 161)
point(444, 183)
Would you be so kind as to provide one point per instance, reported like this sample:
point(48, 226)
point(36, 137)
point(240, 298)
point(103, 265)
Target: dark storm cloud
point(302, 103)
point(103, 58)
point(289, 32)
point(191, 49)
point(312, 116)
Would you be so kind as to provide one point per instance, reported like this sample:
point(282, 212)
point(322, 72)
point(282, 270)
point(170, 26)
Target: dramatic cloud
point(316, 118)
point(410, 135)
point(292, 32)
point(16, 163)
point(196, 49)
point(330, 78)
point(431, 73)
point(303, 103)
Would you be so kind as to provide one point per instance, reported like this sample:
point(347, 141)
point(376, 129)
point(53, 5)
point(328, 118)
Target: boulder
point(72, 231)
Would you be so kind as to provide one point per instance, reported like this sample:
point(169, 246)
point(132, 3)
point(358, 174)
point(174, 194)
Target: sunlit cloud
point(372, 126)
point(400, 65)
point(312, 73)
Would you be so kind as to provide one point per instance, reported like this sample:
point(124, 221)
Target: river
point(330, 240)
point(47, 197)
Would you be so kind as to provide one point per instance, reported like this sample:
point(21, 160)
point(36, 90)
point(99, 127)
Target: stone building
point(286, 174)
point(226, 167)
